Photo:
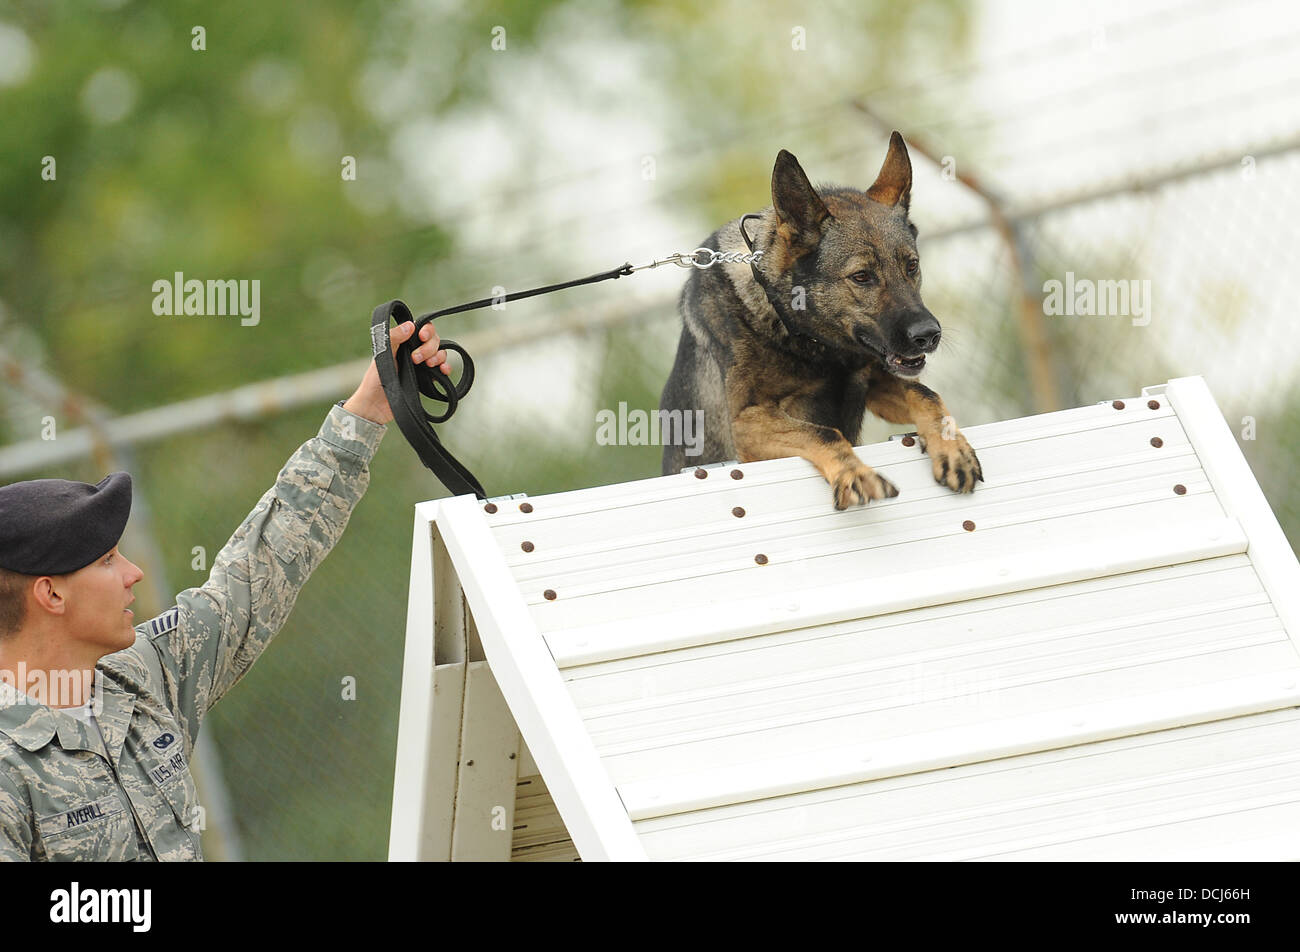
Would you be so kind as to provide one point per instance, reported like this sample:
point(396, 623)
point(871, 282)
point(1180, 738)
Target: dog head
point(846, 263)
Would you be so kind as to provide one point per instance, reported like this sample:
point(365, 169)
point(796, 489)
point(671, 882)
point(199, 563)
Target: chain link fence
point(304, 746)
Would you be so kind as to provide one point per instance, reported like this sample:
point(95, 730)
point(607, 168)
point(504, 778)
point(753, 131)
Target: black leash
point(404, 383)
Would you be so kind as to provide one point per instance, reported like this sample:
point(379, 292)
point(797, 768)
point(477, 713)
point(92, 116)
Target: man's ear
point(893, 185)
point(795, 200)
point(48, 592)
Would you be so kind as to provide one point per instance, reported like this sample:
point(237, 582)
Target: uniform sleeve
point(223, 626)
point(16, 833)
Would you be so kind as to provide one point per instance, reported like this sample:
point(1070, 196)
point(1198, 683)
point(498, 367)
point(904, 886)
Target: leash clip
point(703, 258)
point(677, 258)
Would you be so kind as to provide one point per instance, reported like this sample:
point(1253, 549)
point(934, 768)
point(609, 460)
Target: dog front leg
point(767, 432)
point(953, 459)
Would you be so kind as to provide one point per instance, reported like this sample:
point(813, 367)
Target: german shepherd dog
point(783, 357)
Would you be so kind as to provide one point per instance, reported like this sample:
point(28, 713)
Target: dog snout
point(922, 331)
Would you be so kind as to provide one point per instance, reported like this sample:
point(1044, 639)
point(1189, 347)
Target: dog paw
point(856, 483)
point(954, 463)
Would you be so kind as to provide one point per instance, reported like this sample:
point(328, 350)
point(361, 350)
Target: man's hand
point(369, 401)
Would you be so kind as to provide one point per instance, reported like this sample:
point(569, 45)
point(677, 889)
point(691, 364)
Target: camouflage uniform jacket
point(60, 797)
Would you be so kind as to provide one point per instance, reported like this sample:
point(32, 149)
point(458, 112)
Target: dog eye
point(913, 266)
point(865, 278)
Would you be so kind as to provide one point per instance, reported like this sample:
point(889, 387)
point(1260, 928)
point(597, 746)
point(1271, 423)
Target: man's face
point(97, 597)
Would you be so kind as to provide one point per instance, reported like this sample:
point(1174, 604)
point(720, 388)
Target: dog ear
point(893, 185)
point(796, 202)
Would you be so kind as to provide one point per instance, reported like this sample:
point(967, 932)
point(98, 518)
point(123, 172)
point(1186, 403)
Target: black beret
point(56, 526)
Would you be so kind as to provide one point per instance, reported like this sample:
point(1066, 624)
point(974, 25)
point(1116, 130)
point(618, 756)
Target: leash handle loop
point(404, 382)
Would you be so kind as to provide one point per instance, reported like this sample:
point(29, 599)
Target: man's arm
point(223, 626)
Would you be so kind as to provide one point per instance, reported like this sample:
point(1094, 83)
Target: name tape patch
point(79, 816)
